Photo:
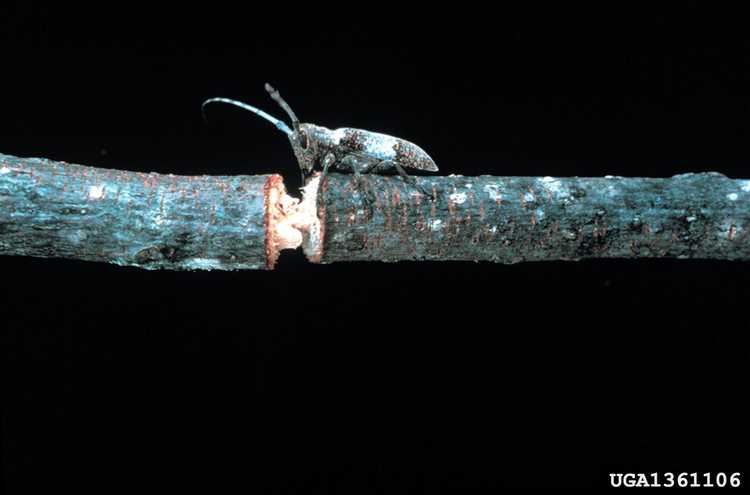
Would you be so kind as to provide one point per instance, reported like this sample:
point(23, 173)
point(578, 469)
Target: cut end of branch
point(292, 222)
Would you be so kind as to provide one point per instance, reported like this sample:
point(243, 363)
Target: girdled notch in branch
point(294, 223)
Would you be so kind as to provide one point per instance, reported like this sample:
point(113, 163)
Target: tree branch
point(59, 210)
point(513, 219)
point(55, 209)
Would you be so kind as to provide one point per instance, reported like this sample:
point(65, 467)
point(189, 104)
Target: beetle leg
point(407, 178)
point(349, 162)
point(371, 166)
point(328, 160)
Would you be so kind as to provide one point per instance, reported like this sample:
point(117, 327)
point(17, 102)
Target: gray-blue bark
point(60, 210)
point(54, 209)
point(513, 219)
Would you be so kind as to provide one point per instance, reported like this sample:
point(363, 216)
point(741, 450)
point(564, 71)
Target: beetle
point(347, 149)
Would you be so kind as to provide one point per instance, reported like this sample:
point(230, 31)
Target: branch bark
point(513, 219)
point(55, 209)
point(60, 210)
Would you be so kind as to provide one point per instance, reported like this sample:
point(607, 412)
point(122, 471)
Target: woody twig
point(153, 221)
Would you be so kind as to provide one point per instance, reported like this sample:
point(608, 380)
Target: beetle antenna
point(278, 99)
point(280, 125)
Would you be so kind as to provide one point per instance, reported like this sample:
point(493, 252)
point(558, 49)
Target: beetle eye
point(303, 141)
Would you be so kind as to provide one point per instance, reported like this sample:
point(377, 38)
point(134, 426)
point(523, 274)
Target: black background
point(361, 378)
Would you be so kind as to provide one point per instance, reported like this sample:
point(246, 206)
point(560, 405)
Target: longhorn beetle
point(351, 150)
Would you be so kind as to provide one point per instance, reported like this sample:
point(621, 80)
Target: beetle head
point(303, 136)
point(305, 145)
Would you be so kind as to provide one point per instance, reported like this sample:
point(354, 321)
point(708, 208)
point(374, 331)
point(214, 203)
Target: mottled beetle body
point(350, 150)
point(359, 148)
